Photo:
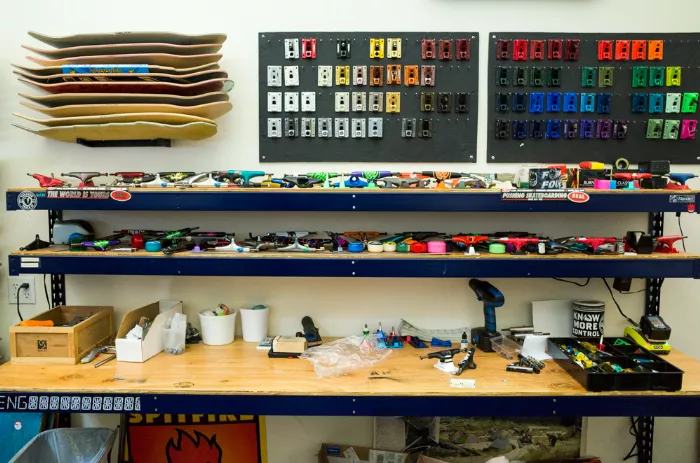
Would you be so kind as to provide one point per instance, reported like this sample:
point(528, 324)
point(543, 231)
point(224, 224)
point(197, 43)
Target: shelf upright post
point(58, 281)
point(645, 439)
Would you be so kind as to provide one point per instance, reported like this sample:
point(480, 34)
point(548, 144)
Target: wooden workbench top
point(241, 369)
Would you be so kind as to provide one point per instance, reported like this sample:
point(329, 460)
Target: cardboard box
point(333, 453)
point(140, 350)
point(64, 345)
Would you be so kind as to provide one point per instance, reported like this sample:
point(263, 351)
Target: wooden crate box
point(64, 345)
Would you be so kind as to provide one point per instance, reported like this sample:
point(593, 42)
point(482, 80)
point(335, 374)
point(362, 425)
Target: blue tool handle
point(490, 318)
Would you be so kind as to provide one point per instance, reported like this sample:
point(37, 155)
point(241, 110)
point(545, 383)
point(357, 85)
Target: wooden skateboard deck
point(209, 110)
point(107, 69)
point(127, 37)
point(182, 79)
point(212, 85)
point(159, 59)
point(159, 118)
point(127, 131)
point(53, 101)
point(126, 48)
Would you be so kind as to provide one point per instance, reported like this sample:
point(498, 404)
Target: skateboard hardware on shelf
point(444, 360)
point(467, 362)
point(46, 181)
point(84, 177)
point(313, 337)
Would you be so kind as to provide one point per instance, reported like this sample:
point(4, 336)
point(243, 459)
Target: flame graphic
point(203, 450)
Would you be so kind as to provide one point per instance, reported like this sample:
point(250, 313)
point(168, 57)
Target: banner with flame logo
point(154, 438)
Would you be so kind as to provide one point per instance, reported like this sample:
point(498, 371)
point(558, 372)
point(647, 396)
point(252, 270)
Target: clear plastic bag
point(343, 356)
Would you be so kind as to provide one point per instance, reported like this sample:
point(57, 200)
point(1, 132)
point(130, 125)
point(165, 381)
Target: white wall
point(339, 306)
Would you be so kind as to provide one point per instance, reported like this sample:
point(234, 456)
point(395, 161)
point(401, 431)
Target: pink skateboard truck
point(688, 128)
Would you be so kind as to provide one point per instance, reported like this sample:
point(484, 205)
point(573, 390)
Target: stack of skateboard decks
point(124, 87)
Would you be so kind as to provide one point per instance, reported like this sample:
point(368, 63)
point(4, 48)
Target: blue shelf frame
point(360, 200)
point(67, 263)
point(679, 405)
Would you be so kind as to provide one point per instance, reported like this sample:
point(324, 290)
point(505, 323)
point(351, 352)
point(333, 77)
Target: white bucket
point(254, 323)
point(217, 331)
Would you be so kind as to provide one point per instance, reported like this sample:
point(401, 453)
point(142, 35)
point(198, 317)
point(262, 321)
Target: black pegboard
point(453, 135)
point(679, 50)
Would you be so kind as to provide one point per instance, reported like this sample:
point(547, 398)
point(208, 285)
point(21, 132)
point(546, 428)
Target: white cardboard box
point(140, 350)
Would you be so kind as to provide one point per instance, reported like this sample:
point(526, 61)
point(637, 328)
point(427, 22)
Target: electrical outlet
point(274, 102)
point(359, 128)
point(291, 76)
point(325, 127)
point(308, 102)
point(308, 127)
point(359, 101)
point(274, 76)
point(342, 102)
point(324, 76)
point(359, 75)
point(342, 127)
point(291, 102)
point(26, 296)
point(274, 127)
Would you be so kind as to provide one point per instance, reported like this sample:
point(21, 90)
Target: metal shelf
point(215, 199)
point(57, 261)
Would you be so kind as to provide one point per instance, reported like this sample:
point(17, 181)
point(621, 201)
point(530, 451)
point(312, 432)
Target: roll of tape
point(437, 247)
point(403, 247)
point(390, 246)
point(154, 246)
point(419, 247)
point(497, 248)
point(375, 246)
point(356, 246)
point(622, 163)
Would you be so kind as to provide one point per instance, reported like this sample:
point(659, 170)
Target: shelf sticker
point(681, 199)
point(576, 196)
point(86, 193)
point(120, 195)
point(13, 402)
point(27, 200)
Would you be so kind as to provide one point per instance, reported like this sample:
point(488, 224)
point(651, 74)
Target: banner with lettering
point(154, 438)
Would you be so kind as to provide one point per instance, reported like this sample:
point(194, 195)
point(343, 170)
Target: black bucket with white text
point(588, 319)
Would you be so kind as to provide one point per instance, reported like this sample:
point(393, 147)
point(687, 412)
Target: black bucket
point(588, 319)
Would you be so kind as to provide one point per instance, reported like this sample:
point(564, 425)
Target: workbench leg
point(58, 281)
point(645, 441)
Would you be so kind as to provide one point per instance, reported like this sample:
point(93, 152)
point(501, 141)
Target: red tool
point(629, 176)
point(519, 243)
point(137, 241)
point(665, 244)
point(47, 182)
point(595, 243)
point(591, 165)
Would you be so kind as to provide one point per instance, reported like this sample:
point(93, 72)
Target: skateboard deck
point(182, 79)
point(126, 48)
point(212, 85)
point(127, 37)
point(159, 59)
point(127, 131)
point(64, 99)
point(107, 69)
point(208, 111)
point(159, 118)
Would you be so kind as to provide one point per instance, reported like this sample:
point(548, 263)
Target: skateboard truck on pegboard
point(163, 142)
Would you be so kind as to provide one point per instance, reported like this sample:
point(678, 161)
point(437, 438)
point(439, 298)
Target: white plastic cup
point(254, 323)
point(218, 330)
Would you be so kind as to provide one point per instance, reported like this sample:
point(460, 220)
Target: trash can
point(68, 445)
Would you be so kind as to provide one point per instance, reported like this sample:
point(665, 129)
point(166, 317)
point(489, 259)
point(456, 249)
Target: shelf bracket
point(645, 439)
point(58, 281)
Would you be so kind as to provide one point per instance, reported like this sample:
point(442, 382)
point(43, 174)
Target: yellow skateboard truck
point(657, 347)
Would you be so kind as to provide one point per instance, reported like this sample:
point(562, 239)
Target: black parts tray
point(665, 376)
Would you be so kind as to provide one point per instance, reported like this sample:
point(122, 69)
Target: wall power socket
point(26, 296)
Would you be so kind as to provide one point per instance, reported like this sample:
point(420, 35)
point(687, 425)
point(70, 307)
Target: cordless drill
point(492, 298)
